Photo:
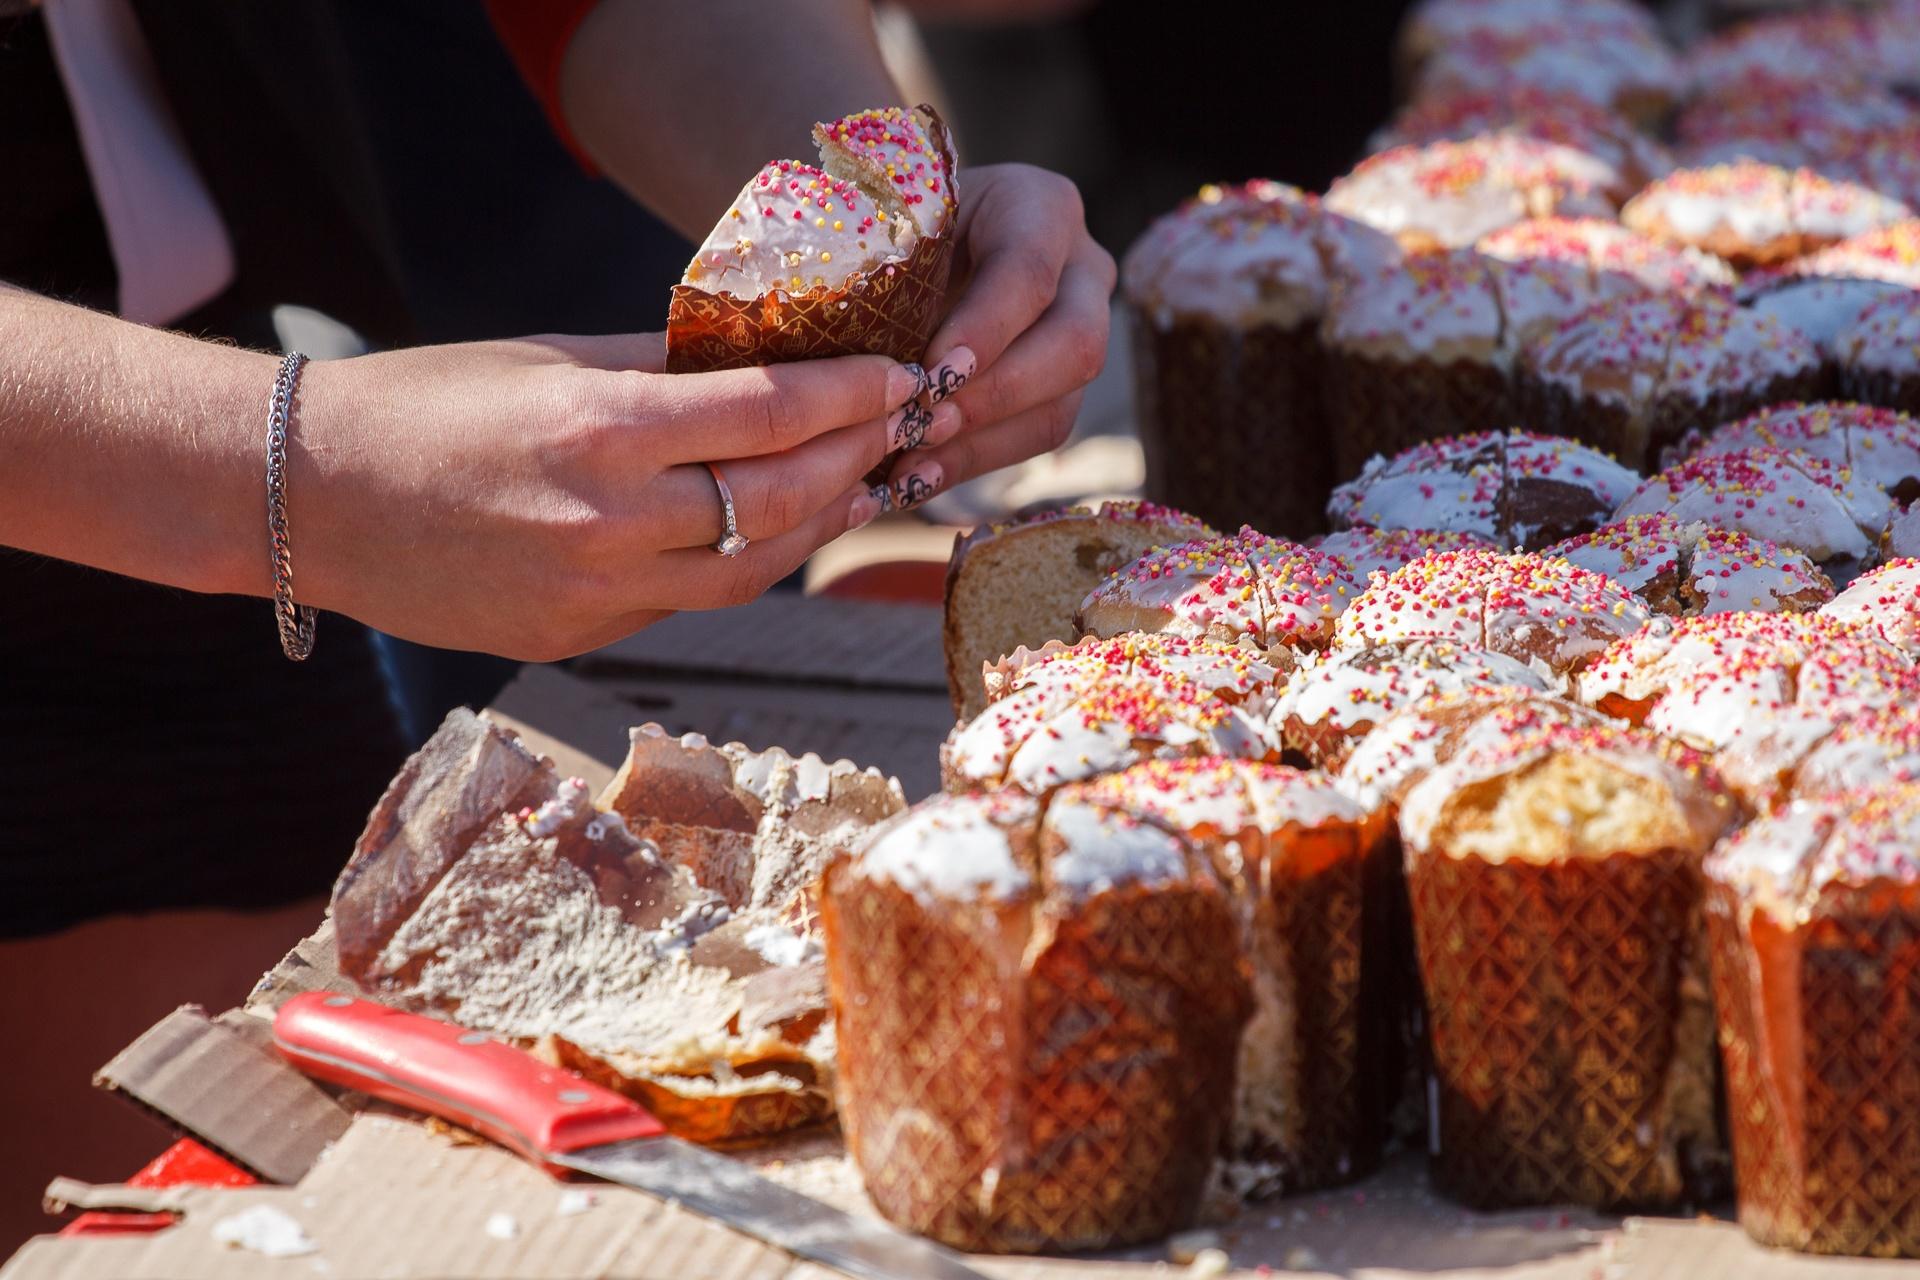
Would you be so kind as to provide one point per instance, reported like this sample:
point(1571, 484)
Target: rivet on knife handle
point(471, 1079)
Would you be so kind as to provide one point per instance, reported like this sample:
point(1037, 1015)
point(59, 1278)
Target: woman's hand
point(1028, 333)
point(541, 497)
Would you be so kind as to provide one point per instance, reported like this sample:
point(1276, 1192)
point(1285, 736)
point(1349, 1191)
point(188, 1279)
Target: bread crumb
point(502, 1226)
point(264, 1230)
point(574, 1201)
point(1187, 1246)
point(1210, 1263)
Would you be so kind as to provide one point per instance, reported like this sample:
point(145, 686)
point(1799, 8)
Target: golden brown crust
point(1044, 1061)
point(1075, 548)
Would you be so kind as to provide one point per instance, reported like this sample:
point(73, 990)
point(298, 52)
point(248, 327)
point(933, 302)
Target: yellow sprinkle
point(819, 222)
point(796, 282)
point(736, 213)
point(838, 225)
point(825, 256)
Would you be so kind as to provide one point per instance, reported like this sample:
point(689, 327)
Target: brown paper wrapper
point(1670, 419)
point(1233, 423)
point(1888, 390)
point(1328, 923)
point(1571, 1030)
point(1017, 1084)
point(1825, 1105)
point(1641, 437)
point(892, 312)
point(1385, 406)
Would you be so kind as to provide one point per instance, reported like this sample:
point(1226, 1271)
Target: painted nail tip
point(907, 381)
point(952, 374)
point(907, 426)
point(919, 485)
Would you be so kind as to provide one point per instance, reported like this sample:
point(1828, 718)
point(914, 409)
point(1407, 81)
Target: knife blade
point(561, 1121)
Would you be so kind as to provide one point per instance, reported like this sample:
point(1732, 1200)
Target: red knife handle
point(468, 1077)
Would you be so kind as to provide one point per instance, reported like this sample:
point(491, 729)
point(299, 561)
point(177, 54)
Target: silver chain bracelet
point(296, 621)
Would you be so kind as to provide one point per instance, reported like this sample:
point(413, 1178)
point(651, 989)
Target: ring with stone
point(731, 542)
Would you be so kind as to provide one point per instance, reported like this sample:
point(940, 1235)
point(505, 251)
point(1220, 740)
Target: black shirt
point(156, 749)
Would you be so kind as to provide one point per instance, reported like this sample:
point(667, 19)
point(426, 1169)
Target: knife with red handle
point(561, 1121)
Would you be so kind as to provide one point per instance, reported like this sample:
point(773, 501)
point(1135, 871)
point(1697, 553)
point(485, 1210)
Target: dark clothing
point(156, 750)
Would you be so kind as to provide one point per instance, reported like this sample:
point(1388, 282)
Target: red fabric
point(536, 34)
point(184, 1164)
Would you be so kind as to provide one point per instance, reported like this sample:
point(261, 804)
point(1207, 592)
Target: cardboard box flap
point(312, 965)
point(216, 1084)
point(783, 637)
point(393, 1199)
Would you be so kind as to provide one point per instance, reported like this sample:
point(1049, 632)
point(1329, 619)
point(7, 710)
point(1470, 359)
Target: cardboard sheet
point(394, 1198)
point(788, 638)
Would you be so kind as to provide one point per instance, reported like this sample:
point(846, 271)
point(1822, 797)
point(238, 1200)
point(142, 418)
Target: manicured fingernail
point(882, 495)
point(866, 507)
point(907, 426)
point(905, 381)
point(919, 484)
point(947, 419)
point(951, 374)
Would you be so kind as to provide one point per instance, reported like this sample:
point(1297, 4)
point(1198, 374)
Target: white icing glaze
point(1531, 608)
point(954, 847)
point(1243, 256)
point(1885, 337)
point(1439, 307)
point(1226, 797)
point(794, 228)
point(1720, 346)
point(1879, 446)
point(1613, 352)
point(1366, 550)
point(893, 149)
point(1887, 598)
point(1354, 688)
point(570, 800)
point(1449, 194)
point(1267, 589)
point(1478, 485)
point(1103, 705)
point(1725, 571)
point(1103, 848)
point(1821, 307)
point(1902, 540)
point(1890, 254)
point(1616, 259)
point(1511, 757)
point(1784, 862)
point(1776, 494)
point(1776, 681)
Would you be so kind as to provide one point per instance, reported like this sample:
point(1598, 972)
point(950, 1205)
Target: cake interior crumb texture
point(1563, 806)
point(1025, 587)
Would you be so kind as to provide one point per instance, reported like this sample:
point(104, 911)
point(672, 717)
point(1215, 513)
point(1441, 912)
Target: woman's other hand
point(1029, 327)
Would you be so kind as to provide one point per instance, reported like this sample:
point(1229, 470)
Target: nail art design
point(907, 426)
point(883, 494)
point(917, 486)
point(922, 380)
point(952, 374)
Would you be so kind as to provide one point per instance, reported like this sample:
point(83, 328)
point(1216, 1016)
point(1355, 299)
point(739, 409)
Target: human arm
point(679, 103)
point(533, 498)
